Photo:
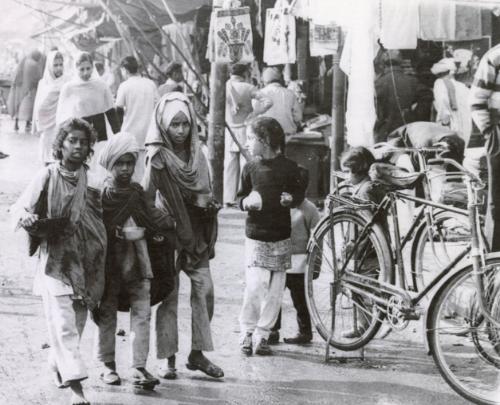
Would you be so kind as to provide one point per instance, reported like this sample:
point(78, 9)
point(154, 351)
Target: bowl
point(133, 233)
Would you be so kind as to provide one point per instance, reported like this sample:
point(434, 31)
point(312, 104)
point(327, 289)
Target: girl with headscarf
point(61, 210)
point(47, 96)
point(450, 99)
point(22, 93)
point(177, 181)
point(89, 98)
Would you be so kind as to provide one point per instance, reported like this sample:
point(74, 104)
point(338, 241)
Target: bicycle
point(350, 261)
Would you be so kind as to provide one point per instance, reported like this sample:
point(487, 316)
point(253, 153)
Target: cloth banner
point(230, 38)
point(279, 39)
point(323, 39)
point(399, 24)
point(437, 20)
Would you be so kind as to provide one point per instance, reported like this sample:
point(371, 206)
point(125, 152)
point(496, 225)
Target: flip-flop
point(209, 369)
point(111, 378)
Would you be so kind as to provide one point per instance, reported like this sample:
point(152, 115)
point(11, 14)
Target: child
point(70, 272)
point(270, 185)
point(304, 218)
point(128, 263)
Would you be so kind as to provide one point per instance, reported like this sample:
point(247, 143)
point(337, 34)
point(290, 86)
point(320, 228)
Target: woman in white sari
point(47, 96)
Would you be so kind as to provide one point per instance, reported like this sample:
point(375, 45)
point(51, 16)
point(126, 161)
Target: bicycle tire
point(317, 281)
point(454, 353)
point(420, 245)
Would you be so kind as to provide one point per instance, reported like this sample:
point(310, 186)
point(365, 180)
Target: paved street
point(396, 370)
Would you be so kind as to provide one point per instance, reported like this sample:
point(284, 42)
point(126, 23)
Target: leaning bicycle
point(356, 280)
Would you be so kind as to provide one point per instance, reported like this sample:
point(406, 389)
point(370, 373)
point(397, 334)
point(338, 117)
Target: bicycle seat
point(394, 177)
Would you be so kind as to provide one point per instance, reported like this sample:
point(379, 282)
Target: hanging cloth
point(437, 20)
point(279, 40)
point(398, 24)
point(468, 23)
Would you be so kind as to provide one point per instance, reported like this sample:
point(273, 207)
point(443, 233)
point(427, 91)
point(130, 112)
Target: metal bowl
point(133, 233)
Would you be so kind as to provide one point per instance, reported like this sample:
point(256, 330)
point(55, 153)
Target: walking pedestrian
point(175, 78)
point(177, 179)
point(47, 97)
point(61, 209)
point(128, 267)
point(136, 100)
point(304, 218)
point(270, 185)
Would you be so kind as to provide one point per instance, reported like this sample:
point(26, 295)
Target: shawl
point(117, 146)
point(77, 256)
point(47, 95)
point(81, 98)
point(28, 73)
point(182, 184)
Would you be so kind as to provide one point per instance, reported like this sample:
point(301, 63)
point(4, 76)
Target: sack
point(395, 177)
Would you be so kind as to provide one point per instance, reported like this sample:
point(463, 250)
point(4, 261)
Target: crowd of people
point(123, 201)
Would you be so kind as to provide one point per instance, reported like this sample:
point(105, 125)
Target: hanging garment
point(323, 39)
point(437, 20)
point(233, 36)
point(279, 40)
point(398, 24)
point(468, 23)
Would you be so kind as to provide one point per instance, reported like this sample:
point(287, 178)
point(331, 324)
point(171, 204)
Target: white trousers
point(233, 165)
point(262, 301)
point(66, 320)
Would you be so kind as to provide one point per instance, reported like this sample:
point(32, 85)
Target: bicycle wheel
point(453, 318)
point(355, 318)
point(434, 247)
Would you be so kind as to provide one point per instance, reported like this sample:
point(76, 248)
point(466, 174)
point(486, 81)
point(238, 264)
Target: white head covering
point(443, 66)
point(117, 146)
point(172, 109)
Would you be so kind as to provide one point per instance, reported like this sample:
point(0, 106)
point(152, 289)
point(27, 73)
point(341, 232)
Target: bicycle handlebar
point(392, 148)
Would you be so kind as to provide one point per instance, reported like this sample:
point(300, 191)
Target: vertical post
point(216, 124)
point(338, 114)
point(302, 49)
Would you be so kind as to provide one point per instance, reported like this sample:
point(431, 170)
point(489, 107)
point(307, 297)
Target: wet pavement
point(395, 370)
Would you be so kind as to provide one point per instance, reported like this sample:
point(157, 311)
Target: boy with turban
point(128, 265)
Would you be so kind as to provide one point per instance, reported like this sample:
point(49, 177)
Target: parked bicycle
point(356, 279)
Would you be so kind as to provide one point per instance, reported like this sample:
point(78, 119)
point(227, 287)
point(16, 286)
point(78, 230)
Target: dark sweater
point(270, 178)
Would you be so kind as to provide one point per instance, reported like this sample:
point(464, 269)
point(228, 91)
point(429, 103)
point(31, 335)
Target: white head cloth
point(117, 146)
point(443, 66)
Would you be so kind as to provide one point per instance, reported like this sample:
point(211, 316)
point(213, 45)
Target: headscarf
point(183, 182)
point(47, 95)
point(270, 75)
point(443, 66)
point(117, 146)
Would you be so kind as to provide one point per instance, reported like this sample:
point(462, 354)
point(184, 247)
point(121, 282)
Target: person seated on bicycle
point(357, 162)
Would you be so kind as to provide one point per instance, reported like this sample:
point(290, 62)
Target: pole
point(216, 124)
point(338, 114)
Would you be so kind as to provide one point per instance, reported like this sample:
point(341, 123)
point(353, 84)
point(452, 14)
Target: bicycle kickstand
point(334, 290)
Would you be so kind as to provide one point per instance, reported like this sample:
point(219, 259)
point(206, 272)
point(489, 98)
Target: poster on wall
point(323, 39)
point(230, 38)
point(279, 38)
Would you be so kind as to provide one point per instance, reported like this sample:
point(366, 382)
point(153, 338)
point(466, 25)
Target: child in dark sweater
point(270, 186)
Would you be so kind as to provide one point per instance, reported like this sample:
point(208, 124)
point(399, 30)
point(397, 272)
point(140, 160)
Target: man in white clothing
point(136, 99)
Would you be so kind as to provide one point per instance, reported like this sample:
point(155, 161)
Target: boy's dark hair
point(129, 63)
point(270, 131)
point(238, 69)
point(172, 67)
point(84, 57)
point(66, 127)
point(358, 160)
point(303, 183)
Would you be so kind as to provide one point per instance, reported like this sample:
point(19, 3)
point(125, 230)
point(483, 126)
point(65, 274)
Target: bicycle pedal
point(411, 314)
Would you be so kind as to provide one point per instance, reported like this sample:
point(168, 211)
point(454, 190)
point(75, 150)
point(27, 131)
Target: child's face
point(255, 146)
point(84, 70)
point(179, 128)
point(75, 147)
point(355, 178)
point(123, 169)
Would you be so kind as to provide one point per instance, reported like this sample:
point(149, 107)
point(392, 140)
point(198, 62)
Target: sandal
point(110, 377)
point(205, 366)
point(169, 373)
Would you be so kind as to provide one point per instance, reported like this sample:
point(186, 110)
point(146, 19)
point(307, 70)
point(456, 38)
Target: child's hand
point(28, 219)
point(253, 202)
point(286, 200)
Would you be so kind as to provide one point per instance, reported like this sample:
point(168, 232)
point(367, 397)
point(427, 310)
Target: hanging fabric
point(398, 24)
point(437, 20)
point(323, 39)
point(468, 23)
point(279, 39)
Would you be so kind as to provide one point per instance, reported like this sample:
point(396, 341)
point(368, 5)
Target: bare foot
point(77, 398)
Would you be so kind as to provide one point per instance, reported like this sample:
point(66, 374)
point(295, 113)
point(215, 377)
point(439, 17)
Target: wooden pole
point(216, 124)
point(338, 115)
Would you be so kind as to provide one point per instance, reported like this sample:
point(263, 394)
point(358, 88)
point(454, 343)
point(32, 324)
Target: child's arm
point(245, 190)
point(293, 189)
point(312, 218)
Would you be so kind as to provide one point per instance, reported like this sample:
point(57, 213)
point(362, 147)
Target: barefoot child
point(304, 218)
point(270, 185)
point(70, 272)
point(128, 266)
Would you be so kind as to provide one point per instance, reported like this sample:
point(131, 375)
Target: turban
point(117, 146)
point(443, 66)
point(270, 75)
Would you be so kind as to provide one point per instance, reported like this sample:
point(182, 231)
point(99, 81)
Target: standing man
point(239, 96)
point(283, 105)
point(135, 101)
point(175, 78)
point(484, 101)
